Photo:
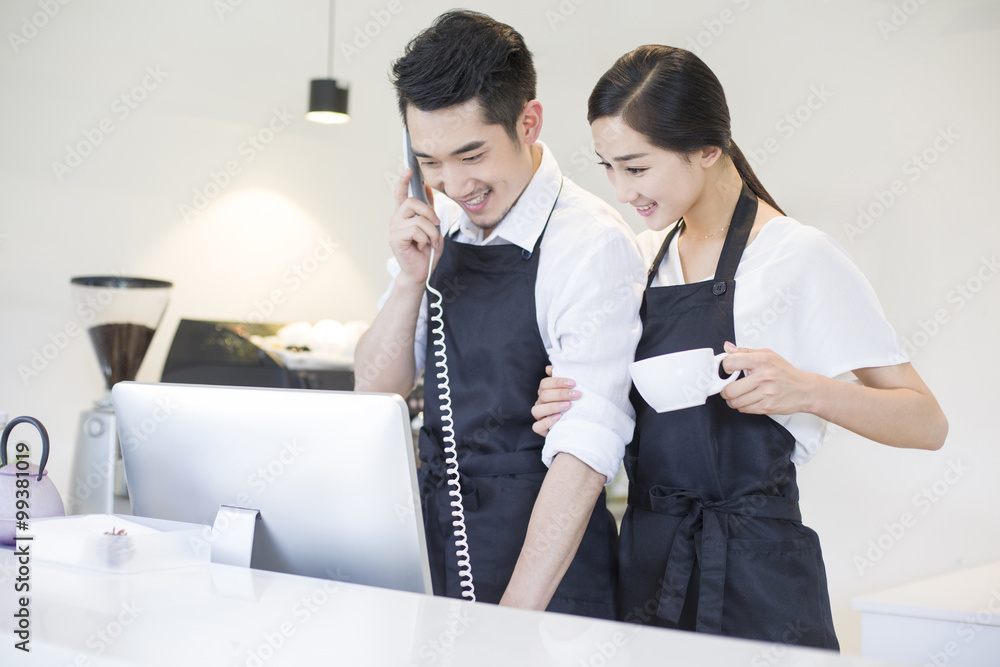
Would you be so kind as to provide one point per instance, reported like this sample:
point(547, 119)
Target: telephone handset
point(418, 191)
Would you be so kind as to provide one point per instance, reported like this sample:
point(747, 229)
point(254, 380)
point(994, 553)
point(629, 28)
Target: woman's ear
point(710, 155)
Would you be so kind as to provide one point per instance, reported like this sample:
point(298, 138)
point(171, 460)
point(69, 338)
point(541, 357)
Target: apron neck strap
point(655, 266)
point(538, 241)
point(739, 232)
point(732, 249)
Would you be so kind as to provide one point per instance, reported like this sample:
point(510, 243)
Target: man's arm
point(593, 340)
point(384, 357)
point(557, 524)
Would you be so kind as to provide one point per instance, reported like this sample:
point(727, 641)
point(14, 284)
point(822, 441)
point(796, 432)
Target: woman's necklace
point(708, 236)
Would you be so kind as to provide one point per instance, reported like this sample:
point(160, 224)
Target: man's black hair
point(467, 55)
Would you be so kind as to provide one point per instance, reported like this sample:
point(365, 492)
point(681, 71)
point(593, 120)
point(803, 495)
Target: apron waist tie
point(703, 534)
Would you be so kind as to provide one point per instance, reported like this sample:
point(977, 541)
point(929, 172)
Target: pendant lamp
point(327, 100)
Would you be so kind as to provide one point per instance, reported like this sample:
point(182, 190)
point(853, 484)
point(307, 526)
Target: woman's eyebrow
point(630, 156)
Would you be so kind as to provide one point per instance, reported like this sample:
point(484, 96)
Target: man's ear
point(529, 125)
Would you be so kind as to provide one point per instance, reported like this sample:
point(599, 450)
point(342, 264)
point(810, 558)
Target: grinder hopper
point(121, 315)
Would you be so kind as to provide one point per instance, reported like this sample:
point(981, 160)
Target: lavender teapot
point(26, 492)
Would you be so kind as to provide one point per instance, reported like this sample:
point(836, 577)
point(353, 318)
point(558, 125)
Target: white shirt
point(799, 294)
point(587, 295)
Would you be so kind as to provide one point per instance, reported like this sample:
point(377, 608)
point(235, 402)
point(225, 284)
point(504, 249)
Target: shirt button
point(719, 288)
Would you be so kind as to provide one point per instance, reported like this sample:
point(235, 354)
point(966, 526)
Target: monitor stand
point(233, 531)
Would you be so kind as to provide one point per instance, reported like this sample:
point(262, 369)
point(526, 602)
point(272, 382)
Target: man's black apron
point(712, 539)
point(496, 360)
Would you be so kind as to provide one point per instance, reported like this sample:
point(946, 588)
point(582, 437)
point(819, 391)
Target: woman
point(712, 539)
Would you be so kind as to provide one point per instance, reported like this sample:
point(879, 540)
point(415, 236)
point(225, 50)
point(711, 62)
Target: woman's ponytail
point(749, 177)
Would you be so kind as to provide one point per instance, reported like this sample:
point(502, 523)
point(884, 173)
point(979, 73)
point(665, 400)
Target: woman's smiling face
point(662, 185)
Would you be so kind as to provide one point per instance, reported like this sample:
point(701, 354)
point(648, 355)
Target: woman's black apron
point(712, 539)
point(496, 359)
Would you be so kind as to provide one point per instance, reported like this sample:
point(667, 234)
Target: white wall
point(886, 96)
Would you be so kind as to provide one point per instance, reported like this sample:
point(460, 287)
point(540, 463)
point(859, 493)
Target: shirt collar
point(525, 221)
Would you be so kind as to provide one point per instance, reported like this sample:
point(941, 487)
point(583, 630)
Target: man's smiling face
point(474, 163)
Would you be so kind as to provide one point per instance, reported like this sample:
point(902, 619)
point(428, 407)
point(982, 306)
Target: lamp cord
point(329, 64)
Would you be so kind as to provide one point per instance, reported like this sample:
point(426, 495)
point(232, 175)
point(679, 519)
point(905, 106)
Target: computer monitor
point(332, 474)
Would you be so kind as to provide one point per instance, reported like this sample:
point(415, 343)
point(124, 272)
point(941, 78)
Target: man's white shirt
point(587, 294)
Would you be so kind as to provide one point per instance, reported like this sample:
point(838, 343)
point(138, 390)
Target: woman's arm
point(893, 407)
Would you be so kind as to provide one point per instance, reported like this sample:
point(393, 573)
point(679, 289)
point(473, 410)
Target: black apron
point(496, 359)
point(712, 539)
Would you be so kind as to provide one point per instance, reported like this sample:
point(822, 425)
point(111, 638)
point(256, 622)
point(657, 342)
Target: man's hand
point(413, 229)
point(411, 234)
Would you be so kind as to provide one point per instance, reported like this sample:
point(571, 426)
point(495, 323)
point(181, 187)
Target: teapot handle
point(45, 442)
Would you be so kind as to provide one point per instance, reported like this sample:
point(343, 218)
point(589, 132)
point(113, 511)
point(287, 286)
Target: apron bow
point(703, 535)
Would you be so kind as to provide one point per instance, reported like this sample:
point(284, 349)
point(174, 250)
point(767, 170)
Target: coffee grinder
point(121, 315)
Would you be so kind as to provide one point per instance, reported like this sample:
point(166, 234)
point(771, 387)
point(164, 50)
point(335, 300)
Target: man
point(533, 271)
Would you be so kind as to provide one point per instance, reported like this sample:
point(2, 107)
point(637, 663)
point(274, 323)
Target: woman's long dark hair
point(671, 97)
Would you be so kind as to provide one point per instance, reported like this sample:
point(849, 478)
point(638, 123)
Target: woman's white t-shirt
point(799, 294)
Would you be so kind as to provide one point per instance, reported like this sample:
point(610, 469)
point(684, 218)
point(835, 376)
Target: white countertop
point(970, 595)
point(223, 615)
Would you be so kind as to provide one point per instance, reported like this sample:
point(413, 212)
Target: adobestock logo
point(958, 298)
point(30, 26)
point(248, 150)
point(914, 167)
point(122, 108)
point(714, 27)
point(363, 35)
point(294, 277)
point(923, 501)
point(899, 16)
point(563, 11)
point(790, 123)
point(87, 311)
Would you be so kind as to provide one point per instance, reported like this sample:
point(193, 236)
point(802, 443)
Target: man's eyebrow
point(471, 146)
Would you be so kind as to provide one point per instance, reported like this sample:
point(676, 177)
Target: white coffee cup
point(680, 379)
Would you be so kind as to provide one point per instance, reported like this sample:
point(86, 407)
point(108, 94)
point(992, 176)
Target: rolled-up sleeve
point(593, 329)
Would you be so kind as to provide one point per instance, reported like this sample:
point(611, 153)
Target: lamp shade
point(327, 102)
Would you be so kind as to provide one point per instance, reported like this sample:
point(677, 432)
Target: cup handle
point(721, 383)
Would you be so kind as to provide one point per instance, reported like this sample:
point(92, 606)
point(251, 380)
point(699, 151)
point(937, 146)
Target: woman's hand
point(892, 405)
point(554, 396)
point(771, 385)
